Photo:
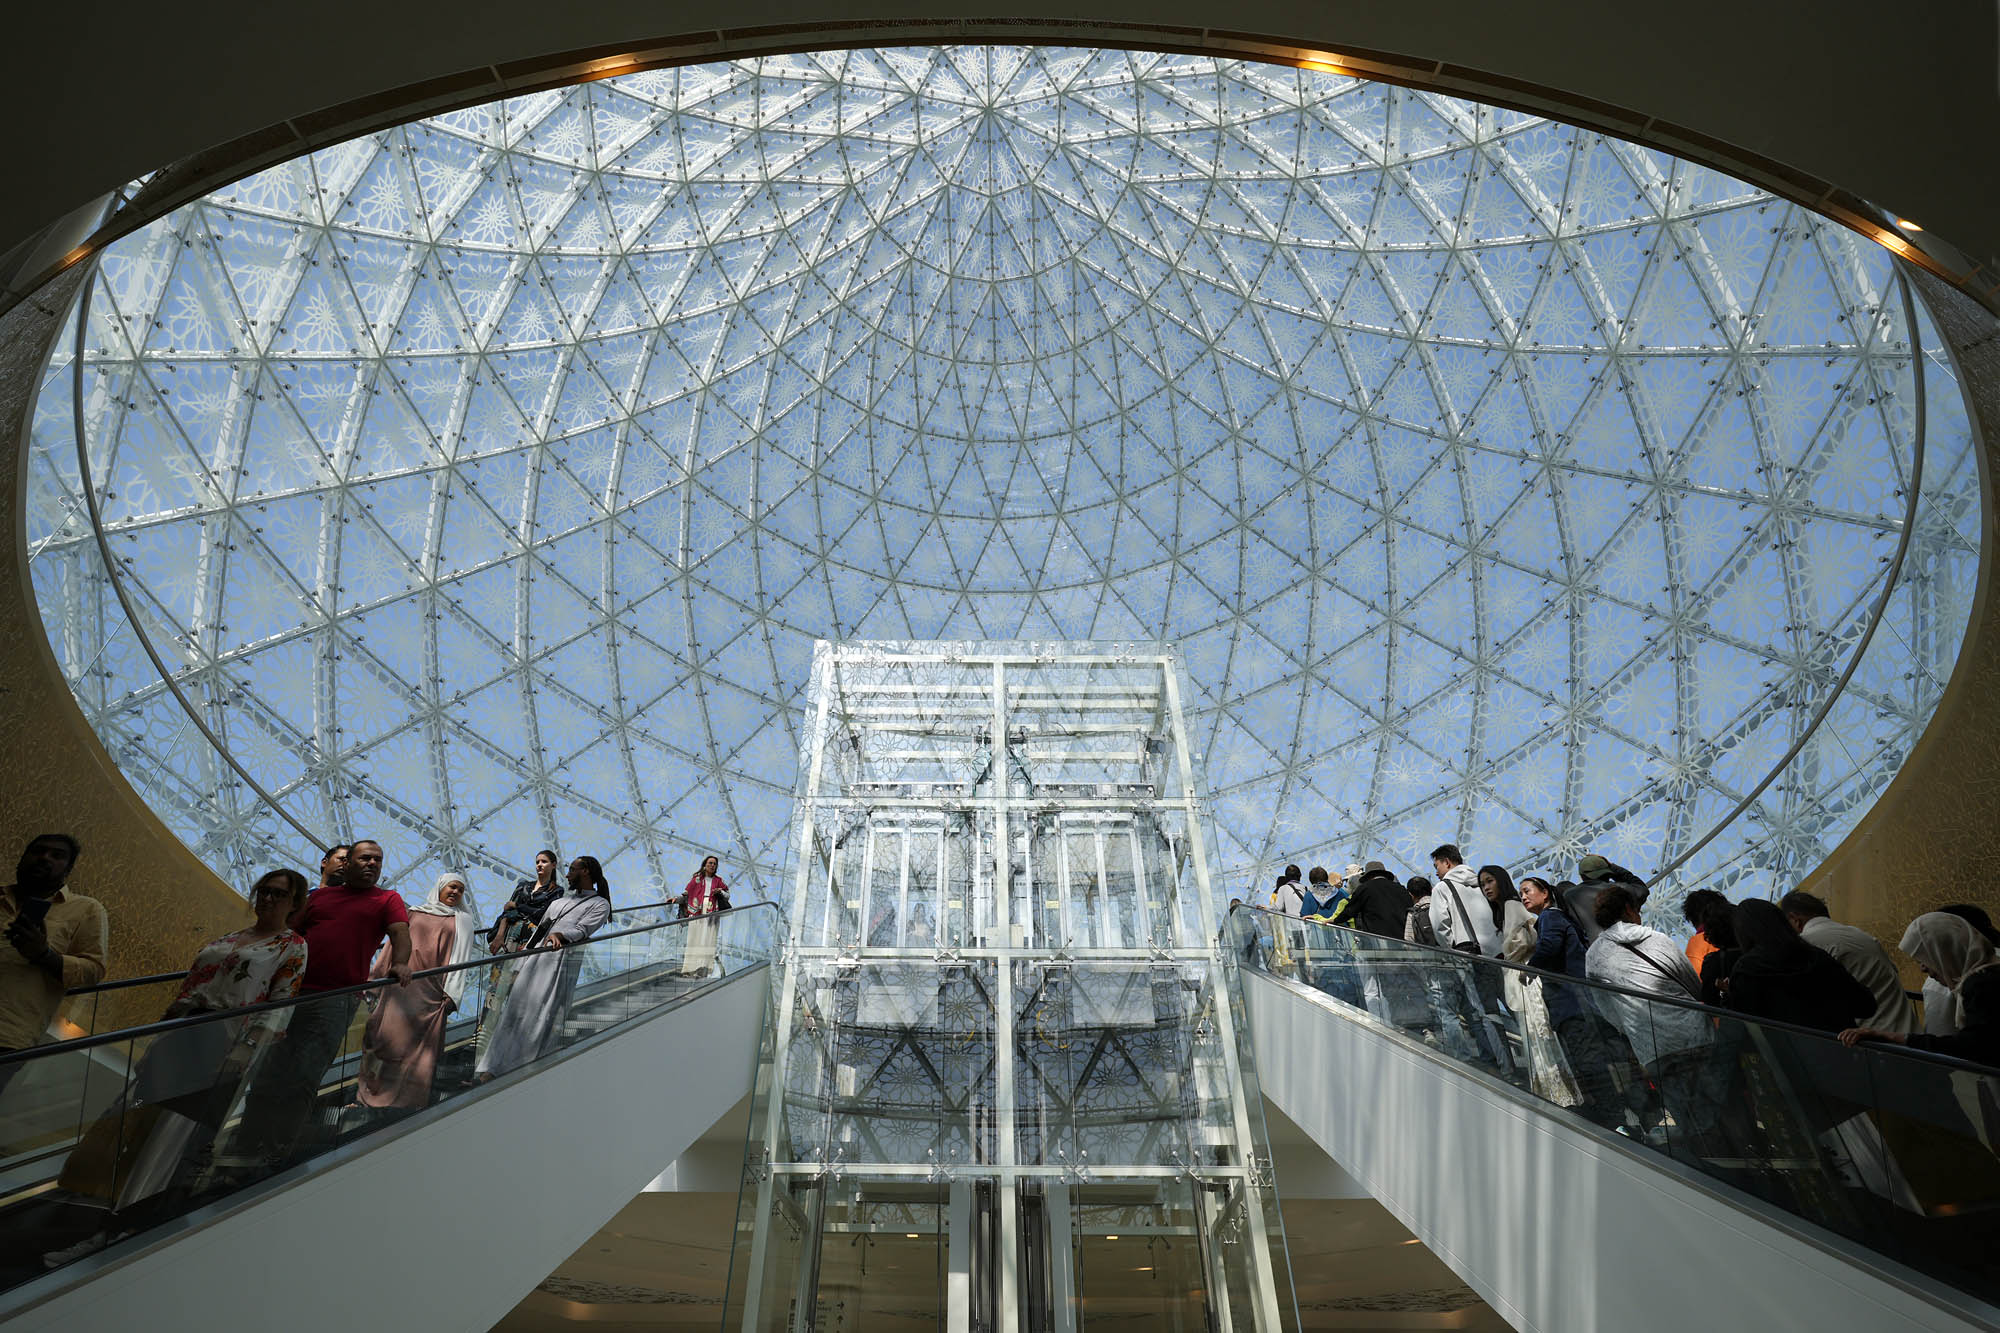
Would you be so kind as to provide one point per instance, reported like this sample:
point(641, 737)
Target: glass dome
point(485, 482)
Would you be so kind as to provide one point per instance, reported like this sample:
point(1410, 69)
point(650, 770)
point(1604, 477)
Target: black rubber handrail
point(215, 1015)
point(124, 982)
point(1891, 1048)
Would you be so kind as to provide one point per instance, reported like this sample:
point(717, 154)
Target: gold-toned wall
point(163, 903)
point(1929, 839)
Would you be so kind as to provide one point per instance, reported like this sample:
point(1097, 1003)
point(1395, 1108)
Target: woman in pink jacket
point(704, 895)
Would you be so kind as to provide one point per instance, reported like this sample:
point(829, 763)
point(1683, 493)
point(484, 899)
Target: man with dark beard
point(55, 941)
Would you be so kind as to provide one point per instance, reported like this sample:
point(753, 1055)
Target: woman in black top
point(531, 898)
point(512, 933)
point(1780, 976)
point(1718, 927)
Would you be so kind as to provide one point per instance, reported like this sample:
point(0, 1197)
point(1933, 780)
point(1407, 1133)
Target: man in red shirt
point(344, 925)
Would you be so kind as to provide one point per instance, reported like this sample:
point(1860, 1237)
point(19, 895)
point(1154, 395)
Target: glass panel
point(851, 866)
point(961, 850)
point(285, 428)
point(886, 904)
point(1124, 911)
point(1141, 1256)
point(882, 1256)
point(921, 925)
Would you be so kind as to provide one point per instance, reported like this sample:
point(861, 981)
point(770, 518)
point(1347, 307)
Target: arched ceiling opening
point(491, 476)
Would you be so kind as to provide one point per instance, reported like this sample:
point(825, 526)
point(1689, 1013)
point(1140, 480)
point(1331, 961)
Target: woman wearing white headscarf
point(1949, 949)
point(406, 1035)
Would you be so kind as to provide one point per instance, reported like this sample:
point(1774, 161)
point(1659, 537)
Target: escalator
point(1583, 1174)
point(158, 1155)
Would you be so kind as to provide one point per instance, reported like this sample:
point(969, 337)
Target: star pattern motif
point(484, 482)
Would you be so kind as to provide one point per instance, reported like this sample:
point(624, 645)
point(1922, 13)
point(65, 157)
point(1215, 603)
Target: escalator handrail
point(1650, 997)
point(213, 1015)
point(157, 977)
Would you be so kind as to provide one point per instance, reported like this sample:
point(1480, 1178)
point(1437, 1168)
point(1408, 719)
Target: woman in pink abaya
point(400, 1049)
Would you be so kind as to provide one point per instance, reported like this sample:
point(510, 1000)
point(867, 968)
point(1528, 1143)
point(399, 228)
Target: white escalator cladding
point(1787, 1182)
point(493, 1184)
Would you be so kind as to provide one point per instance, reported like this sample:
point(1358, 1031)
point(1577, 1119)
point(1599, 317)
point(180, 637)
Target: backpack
point(1420, 924)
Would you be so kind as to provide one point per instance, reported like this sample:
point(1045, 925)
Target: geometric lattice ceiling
point(487, 480)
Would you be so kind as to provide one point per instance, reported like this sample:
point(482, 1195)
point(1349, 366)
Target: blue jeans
point(285, 1089)
point(1453, 991)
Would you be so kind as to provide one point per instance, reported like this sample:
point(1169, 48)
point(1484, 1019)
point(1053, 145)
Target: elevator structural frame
point(1004, 998)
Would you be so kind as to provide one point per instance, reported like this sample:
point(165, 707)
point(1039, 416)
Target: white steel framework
point(1004, 1010)
point(1500, 482)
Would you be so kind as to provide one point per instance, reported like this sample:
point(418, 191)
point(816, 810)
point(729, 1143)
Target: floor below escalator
point(661, 1265)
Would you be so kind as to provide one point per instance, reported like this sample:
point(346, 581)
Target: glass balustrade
point(1892, 1149)
point(115, 1134)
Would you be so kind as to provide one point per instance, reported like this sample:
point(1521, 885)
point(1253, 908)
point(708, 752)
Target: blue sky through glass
point(487, 480)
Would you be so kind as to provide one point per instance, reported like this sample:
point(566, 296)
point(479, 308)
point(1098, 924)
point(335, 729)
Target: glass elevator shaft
point(1004, 1088)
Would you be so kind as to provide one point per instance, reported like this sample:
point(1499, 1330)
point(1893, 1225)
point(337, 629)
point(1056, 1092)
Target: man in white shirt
point(1462, 920)
point(1860, 953)
point(1460, 914)
point(1289, 897)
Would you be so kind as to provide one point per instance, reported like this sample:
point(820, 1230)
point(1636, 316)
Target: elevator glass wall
point(1004, 1087)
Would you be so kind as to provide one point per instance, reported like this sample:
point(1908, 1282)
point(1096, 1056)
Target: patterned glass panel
point(488, 479)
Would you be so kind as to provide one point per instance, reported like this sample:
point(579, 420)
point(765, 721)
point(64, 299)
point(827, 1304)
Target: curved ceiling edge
point(163, 901)
point(174, 184)
point(1908, 854)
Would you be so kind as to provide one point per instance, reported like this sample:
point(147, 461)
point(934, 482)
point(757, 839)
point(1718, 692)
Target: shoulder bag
point(1654, 963)
point(1464, 922)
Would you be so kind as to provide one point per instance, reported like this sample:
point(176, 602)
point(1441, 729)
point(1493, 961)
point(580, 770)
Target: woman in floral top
point(248, 967)
point(138, 1157)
